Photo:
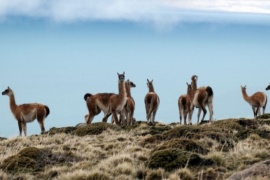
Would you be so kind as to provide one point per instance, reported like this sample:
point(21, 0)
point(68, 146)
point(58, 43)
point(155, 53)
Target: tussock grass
point(218, 158)
point(184, 173)
point(157, 174)
point(3, 175)
point(104, 151)
point(82, 174)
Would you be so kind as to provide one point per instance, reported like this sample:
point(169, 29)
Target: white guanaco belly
point(104, 108)
point(121, 106)
point(157, 102)
point(195, 102)
point(29, 117)
point(264, 100)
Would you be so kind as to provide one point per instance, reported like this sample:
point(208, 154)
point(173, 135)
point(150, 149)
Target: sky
point(53, 52)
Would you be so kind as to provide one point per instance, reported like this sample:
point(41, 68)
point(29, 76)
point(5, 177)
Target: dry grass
point(212, 151)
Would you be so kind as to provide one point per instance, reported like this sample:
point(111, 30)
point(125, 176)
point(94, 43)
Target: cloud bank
point(158, 12)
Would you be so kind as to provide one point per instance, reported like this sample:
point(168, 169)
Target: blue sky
point(54, 53)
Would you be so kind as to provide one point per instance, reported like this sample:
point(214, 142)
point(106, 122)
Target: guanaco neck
point(245, 96)
point(194, 85)
point(122, 89)
point(189, 90)
point(12, 102)
point(151, 87)
point(193, 88)
point(127, 85)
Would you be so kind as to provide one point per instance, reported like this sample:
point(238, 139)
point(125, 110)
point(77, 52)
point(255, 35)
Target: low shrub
point(171, 159)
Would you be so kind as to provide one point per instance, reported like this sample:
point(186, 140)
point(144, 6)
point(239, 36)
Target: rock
point(80, 125)
point(256, 171)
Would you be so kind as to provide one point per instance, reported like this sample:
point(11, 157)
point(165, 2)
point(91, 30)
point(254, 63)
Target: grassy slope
point(104, 151)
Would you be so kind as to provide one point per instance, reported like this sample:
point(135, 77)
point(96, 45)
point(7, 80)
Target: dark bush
point(94, 129)
point(66, 130)
point(264, 116)
point(228, 124)
point(184, 144)
point(32, 159)
point(28, 160)
point(247, 132)
point(171, 159)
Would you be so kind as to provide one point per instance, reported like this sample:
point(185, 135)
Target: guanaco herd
point(123, 104)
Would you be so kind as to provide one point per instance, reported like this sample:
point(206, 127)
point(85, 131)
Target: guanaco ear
point(120, 74)
point(148, 80)
point(187, 83)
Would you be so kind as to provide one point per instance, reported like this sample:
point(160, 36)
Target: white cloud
point(243, 6)
point(159, 12)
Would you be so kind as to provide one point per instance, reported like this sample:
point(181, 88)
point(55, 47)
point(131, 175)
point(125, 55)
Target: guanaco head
point(121, 77)
point(194, 78)
point(268, 87)
point(188, 88)
point(132, 84)
point(244, 88)
point(150, 85)
point(8, 91)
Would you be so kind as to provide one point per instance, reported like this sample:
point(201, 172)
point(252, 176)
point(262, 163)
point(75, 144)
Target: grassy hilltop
point(225, 149)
